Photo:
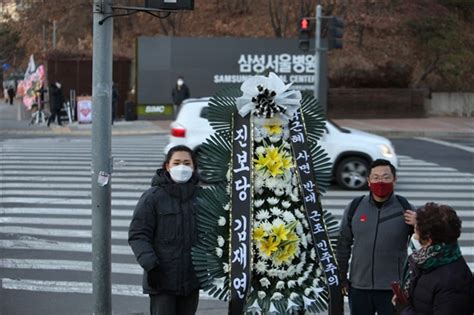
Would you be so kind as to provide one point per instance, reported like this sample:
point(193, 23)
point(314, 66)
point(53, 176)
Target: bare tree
point(279, 14)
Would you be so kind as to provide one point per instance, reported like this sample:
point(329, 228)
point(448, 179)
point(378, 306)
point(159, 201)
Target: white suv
point(351, 151)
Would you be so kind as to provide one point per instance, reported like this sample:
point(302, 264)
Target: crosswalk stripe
point(116, 235)
point(75, 287)
point(58, 221)
point(71, 265)
point(59, 246)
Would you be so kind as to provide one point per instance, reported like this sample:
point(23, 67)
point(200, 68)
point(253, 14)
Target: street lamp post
point(102, 59)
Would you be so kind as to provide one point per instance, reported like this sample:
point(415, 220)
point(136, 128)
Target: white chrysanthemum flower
point(264, 282)
point(301, 280)
point(273, 272)
point(299, 228)
point(271, 183)
point(262, 214)
point(309, 238)
point(312, 254)
point(261, 267)
point(258, 139)
point(294, 198)
point(260, 150)
point(258, 182)
point(294, 181)
point(299, 214)
point(276, 211)
point(306, 224)
point(291, 284)
point(221, 221)
point(272, 201)
point(220, 241)
point(296, 192)
point(226, 267)
point(219, 252)
point(288, 217)
point(259, 191)
point(286, 133)
point(286, 204)
point(261, 294)
point(275, 139)
point(258, 203)
point(293, 295)
point(291, 269)
point(277, 222)
point(319, 272)
point(280, 285)
point(308, 291)
point(287, 145)
point(267, 226)
point(277, 296)
point(279, 192)
point(227, 207)
point(288, 99)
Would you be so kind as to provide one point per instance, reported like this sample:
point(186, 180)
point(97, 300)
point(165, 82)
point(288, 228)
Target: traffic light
point(335, 32)
point(305, 34)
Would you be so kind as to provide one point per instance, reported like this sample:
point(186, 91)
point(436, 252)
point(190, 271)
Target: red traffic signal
point(304, 24)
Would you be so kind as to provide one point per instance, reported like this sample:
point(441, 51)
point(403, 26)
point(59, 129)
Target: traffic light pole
point(317, 57)
point(102, 58)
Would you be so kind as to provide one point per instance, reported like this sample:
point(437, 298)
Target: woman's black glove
point(153, 278)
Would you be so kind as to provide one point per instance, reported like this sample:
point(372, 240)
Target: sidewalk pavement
point(394, 128)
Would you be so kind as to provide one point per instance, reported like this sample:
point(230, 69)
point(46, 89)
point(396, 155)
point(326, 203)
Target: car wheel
point(352, 172)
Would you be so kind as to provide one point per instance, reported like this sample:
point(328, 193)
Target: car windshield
point(341, 129)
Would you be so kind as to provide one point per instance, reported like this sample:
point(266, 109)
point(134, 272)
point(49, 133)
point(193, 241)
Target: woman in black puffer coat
point(439, 281)
point(162, 233)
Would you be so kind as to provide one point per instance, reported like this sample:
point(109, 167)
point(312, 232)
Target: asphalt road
point(41, 176)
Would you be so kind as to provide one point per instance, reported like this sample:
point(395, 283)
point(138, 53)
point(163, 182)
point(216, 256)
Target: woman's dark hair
point(180, 148)
point(382, 162)
point(439, 223)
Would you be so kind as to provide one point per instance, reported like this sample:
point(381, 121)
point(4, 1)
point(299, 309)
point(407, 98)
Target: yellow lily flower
point(280, 232)
point(269, 245)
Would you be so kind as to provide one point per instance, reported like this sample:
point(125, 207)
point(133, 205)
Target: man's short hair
point(382, 162)
point(440, 223)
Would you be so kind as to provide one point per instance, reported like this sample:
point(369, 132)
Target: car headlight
point(386, 150)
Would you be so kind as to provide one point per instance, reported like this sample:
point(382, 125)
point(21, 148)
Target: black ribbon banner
point(240, 219)
point(314, 213)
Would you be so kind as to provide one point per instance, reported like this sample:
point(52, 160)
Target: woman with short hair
point(439, 281)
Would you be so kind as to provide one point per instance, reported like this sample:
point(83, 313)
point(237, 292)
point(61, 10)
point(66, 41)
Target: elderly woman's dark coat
point(162, 233)
point(444, 290)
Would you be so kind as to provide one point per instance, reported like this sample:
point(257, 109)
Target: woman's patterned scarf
point(429, 258)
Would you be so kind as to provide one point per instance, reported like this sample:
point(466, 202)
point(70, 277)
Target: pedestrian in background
point(56, 100)
point(162, 233)
point(11, 94)
point(5, 93)
point(439, 280)
point(180, 93)
point(374, 233)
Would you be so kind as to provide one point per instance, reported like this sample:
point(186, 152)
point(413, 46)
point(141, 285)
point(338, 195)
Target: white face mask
point(181, 173)
point(180, 82)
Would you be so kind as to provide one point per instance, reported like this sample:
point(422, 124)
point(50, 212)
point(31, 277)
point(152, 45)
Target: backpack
point(355, 203)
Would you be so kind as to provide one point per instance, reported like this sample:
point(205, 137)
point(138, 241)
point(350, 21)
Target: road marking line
point(69, 265)
point(75, 287)
point(58, 221)
point(447, 144)
point(60, 246)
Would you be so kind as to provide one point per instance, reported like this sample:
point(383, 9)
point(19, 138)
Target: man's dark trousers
point(164, 304)
point(367, 302)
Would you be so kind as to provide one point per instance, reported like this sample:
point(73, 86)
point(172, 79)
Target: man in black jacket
point(180, 93)
point(56, 100)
